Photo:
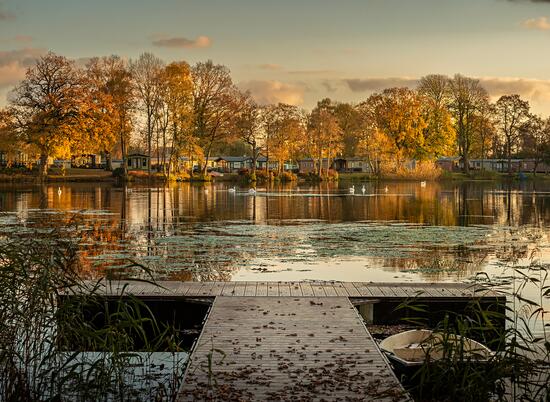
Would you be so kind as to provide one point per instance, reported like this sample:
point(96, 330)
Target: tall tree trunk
point(43, 168)
point(108, 161)
point(124, 157)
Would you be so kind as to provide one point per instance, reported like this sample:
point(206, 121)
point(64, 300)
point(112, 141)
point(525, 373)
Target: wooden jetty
point(298, 341)
point(289, 348)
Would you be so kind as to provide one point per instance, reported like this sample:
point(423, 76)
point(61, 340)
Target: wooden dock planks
point(304, 348)
point(383, 291)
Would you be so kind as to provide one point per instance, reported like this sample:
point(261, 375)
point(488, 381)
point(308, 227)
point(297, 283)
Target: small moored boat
point(410, 349)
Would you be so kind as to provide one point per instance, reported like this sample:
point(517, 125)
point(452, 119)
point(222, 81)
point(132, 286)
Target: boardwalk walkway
point(287, 349)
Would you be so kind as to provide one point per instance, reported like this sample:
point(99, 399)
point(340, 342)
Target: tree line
point(172, 110)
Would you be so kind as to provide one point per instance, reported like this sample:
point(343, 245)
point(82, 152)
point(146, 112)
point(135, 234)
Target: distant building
point(500, 165)
point(449, 163)
point(355, 164)
point(308, 165)
point(232, 164)
point(137, 161)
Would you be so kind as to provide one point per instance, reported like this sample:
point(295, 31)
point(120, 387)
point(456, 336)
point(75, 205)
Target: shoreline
point(107, 177)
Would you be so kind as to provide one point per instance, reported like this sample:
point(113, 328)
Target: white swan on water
point(363, 189)
point(422, 184)
point(59, 191)
point(386, 189)
point(252, 191)
point(232, 190)
point(352, 190)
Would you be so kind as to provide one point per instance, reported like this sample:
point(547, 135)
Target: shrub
point(118, 172)
point(263, 176)
point(287, 177)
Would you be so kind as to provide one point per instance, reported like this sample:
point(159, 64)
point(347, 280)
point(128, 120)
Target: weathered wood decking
point(298, 341)
point(287, 348)
point(294, 289)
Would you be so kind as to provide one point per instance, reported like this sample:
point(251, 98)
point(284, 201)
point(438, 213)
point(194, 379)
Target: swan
point(59, 191)
point(232, 190)
point(363, 190)
point(386, 189)
point(352, 190)
point(252, 191)
point(422, 184)
point(205, 191)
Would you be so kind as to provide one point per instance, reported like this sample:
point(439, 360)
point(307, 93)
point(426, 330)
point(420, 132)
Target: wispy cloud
point(270, 67)
point(541, 23)
point(379, 84)
point(23, 39)
point(312, 72)
point(265, 92)
point(181, 42)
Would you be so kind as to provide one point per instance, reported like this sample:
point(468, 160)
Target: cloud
point(379, 84)
point(23, 38)
point(181, 42)
point(329, 86)
point(4, 14)
point(265, 92)
point(312, 72)
point(270, 67)
point(541, 24)
point(532, 89)
point(14, 64)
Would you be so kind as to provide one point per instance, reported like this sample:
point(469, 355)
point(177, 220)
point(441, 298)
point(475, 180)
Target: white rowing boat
point(413, 348)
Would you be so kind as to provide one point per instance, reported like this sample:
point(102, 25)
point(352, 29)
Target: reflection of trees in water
point(439, 264)
point(145, 215)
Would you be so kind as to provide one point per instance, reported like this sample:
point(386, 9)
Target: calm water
point(394, 231)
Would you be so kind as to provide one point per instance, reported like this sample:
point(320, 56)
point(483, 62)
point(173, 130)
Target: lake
point(391, 231)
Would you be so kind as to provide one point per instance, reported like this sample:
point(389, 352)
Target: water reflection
point(392, 231)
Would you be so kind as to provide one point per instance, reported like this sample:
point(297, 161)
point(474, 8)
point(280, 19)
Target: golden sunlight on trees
point(215, 105)
point(513, 114)
point(285, 131)
point(48, 106)
point(325, 136)
point(181, 116)
point(466, 98)
point(178, 98)
point(146, 71)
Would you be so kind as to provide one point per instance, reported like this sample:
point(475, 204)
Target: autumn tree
point(349, 120)
point(178, 98)
point(484, 131)
point(249, 127)
point(439, 135)
point(215, 105)
point(285, 129)
point(466, 98)
point(47, 108)
point(325, 136)
point(535, 141)
point(372, 143)
point(146, 71)
point(512, 114)
point(397, 113)
point(9, 143)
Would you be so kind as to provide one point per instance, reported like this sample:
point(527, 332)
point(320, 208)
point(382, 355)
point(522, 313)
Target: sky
point(298, 51)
